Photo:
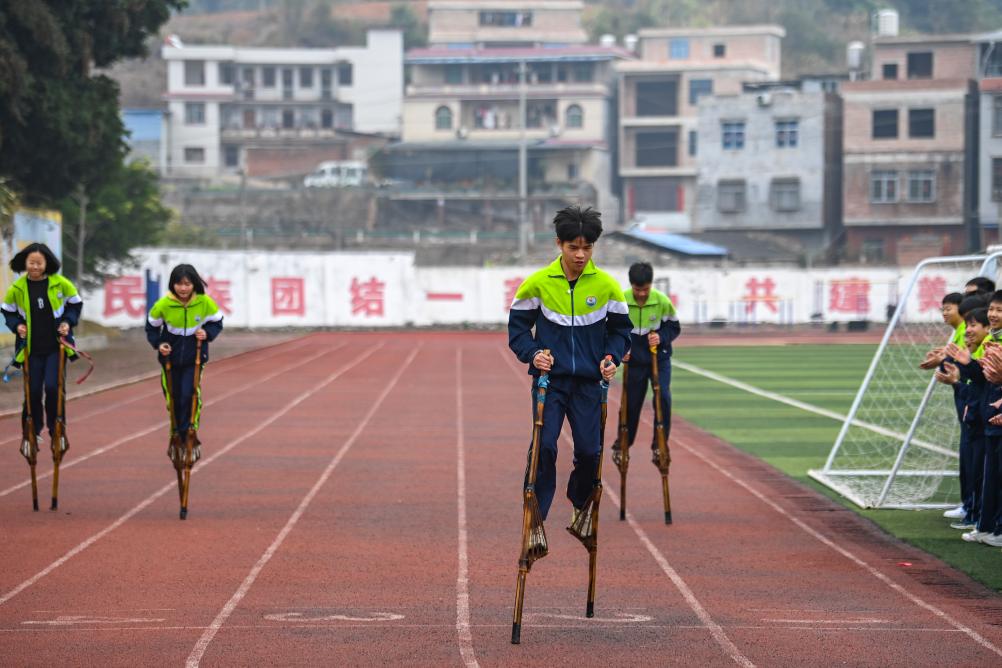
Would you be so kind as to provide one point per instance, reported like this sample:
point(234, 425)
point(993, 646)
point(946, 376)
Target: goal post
point(898, 446)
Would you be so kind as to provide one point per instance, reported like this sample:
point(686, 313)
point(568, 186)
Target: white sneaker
point(966, 526)
point(974, 536)
point(955, 513)
point(993, 539)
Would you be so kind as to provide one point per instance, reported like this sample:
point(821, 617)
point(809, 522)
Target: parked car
point(337, 174)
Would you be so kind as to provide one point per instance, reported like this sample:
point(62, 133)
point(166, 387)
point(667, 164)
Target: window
point(344, 74)
point(226, 73)
point(453, 74)
point(872, 250)
point(719, 50)
point(657, 98)
point(883, 186)
point(922, 123)
point(288, 119)
point(997, 179)
point(997, 116)
point(693, 142)
point(231, 155)
point(731, 196)
point(572, 171)
point(287, 83)
point(506, 19)
point(885, 124)
point(890, 71)
point(921, 186)
point(443, 118)
point(194, 73)
point(327, 118)
point(194, 113)
point(306, 77)
point(194, 155)
point(268, 76)
point(785, 194)
point(678, 48)
point(583, 72)
point(787, 133)
point(657, 148)
point(574, 117)
point(733, 134)
point(345, 117)
point(698, 88)
point(920, 65)
point(326, 82)
point(665, 194)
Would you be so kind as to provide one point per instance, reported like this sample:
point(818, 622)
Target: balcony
point(280, 133)
point(507, 90)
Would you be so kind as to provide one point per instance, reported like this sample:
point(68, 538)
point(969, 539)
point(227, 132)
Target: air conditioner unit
point(461, 132)
point(764, 99)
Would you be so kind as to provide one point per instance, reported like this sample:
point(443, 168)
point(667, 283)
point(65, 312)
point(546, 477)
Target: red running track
point(359, 503)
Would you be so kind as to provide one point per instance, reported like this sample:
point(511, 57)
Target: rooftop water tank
point(887, 23)
point(607, 40)
point(854, 56)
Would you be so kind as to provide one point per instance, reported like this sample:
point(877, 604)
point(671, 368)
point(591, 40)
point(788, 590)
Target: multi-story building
point(770, 160)
point(908, 150)
point(989, 52)
point(267, 110)
point(659, 110)
point(462, 120)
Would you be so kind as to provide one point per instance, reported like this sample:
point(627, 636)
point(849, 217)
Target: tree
point(59, 124)
point(403, 18)
point(121, 214)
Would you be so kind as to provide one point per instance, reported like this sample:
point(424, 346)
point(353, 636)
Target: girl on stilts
point(40, 307)
point(176, 323)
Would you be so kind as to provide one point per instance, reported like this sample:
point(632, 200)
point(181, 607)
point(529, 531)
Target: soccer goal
point(898, 445)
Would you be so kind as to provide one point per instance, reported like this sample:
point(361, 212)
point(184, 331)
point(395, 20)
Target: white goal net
point(898, 447)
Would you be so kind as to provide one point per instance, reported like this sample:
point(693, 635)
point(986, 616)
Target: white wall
point(262, 290)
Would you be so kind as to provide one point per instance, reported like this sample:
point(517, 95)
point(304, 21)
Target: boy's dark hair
point(981, 284)
point(970, 303)
point(572, 222)
point(19, 261)
point(183, 271)
point(977, 315)
point(953, 298)
point(996, 297)
point(641, 273)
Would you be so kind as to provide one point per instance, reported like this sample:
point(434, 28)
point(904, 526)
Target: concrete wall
point(761, 161)
point(459, 22)
point(990, 147)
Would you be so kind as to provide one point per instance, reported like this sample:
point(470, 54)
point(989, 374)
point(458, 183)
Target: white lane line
point(810, 408)
point(163, 423)
point(817, 535)
point(690, 598)
point(463, 571)
point(173, 484)
point(203, 643)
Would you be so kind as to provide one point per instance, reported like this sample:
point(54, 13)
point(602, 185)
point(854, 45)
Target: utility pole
point(523, 194)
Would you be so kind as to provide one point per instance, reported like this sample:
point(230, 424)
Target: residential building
point(463, 113)
point(275, 112)
point(769, 161)
point(659, 96)
point(989, 137)
point(908, 167)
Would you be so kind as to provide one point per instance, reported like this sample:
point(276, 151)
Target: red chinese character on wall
point(510, 288)
point(287, 296)
point(125, 294)
point(219, 290)
point(367, 297)
point(760, 292)
point(931, 290)
point(849, 295)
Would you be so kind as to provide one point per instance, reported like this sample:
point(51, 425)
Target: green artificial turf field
point(794, 440)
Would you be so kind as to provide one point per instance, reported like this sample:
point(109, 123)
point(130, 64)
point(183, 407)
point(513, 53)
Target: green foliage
point(415, 33)
point(182, 235)
point(59, 125)
point(123, 213)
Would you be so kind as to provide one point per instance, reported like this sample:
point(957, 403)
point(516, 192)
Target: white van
point(337, 174)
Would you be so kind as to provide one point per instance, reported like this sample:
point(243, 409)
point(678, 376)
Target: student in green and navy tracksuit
point(175, 322)
point(576, 311)
point(40, 306)
point(655, 323)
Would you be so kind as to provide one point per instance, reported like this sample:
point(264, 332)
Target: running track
point(358, 503)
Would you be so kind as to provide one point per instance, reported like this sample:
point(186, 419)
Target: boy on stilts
point(576, 312)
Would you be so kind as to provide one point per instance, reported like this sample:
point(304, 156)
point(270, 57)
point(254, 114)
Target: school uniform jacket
point(175, 323)
point(579, 325)
point(63, 298)
point(658, 314)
